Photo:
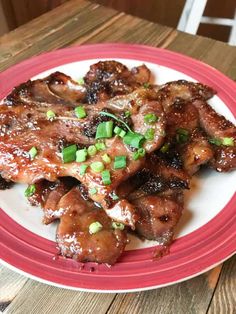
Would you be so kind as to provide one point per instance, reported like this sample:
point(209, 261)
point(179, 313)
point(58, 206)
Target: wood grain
point(10, 284)
point(224, 300)
point(51, 31)
point(35, 297)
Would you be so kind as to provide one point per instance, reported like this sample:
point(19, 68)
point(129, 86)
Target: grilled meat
point(76, 239)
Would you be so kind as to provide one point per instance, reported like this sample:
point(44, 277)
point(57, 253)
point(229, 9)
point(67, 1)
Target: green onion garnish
point(93, 191)
point(80, 81)
point(31, 189)
point(118, 225)
point(69, 153)
point(80, 112)
point(51, 115)
point(115, 118)
point(227, 141)
point(182, 135)
point(215, 141)
point(164, 149)
point(135, 140)
point(149, 134)
point(100, 146)
point(127, 114)
point(106, 177)
point(106, 158)
point(114, 196)
point(92, 150)
point(119, 131)
point(139, 154)
point(33, 152)
point(146, 85)
point(120, 162)
point(81, 155)
point(82, 169)
point(150, 118)
point(104, 130)
point(97, 166)
point(95, 227)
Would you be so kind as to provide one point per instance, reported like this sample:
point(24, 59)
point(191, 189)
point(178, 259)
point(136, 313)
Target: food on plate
point(111, 154)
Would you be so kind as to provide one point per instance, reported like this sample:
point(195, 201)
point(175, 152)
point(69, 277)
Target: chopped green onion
point(81, 155)
point(149, 134)
point(135, 140)
point(80, 112)
point(150, 118)
point(93, 191)
point(95, 227)
point(106, 177)
point(31, 189)
point(97, 166)
point(119, 131)
point(69, 153)
point(118, 225)
point(120, 162)
point(82, 169)
point(122, 134)
point(139, 154)
point(115, 118)
point(164, 149)
point(106, 158)
point(80, 81)
point(127, 114)
point(227, 141)
point(182, 135)
point(146, 85)
point(92, 150)
point(33, 152)
point(104, 130)
point(114, 196)
point(100, 146)
point(215, 141)
point(51, 115)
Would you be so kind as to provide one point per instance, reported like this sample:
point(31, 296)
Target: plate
point(207, 231)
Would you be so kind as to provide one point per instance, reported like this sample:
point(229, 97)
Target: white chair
point(192, 16)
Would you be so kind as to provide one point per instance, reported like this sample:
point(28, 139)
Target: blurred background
point(14, 13)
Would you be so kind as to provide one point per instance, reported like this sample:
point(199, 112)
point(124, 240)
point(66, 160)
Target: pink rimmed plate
point(207, 231)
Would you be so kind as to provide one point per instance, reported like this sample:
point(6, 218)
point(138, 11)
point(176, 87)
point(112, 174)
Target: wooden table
point(78, 22)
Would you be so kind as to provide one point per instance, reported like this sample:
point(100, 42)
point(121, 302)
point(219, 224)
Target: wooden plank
point(224, 300)
point(52, 30)
point(38, 298)
point(192, 296)
point(10, 284)
point(138, 31)
point(215, 53)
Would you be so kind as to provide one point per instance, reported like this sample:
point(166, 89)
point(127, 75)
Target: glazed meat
point(159, 214)
point(48, 194)
point(77, 240)
point(222, 133)
point(107, 79)
point(24, 124)
point(177, 91)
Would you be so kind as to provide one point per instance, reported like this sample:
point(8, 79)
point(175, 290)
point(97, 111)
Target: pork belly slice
point(48, 194)
point(24, 125)
point(107, 79)
point(220, 132)
point(159, 214)
point(74, 236)
point(186, 136)
point(180, 90)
